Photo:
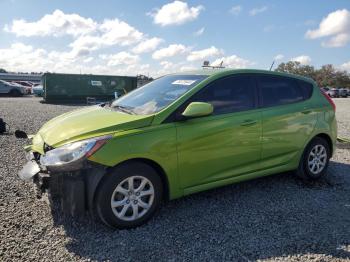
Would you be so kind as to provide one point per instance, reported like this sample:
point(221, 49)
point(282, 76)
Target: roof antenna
point(206, 64)
point(273, 62)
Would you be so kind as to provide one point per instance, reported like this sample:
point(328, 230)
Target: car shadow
point(264, 218)
point(8, 95)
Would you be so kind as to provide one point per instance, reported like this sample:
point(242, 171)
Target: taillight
point(329, 99)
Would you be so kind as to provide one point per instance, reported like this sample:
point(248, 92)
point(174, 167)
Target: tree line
point(327, 75)
point(25, 73)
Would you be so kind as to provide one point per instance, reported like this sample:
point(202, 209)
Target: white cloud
point(147, 45)
point(87, 60)
point(204, 53)
point(278, 57)
point(303, 59)
point(87, 42)
point(24, 58)
point(337, 40)
point(236, 10)
point(55, 24)
point(89, 35)
point(121, 58)
point(345, 66)
point(334, 23)
point(175, 13)
point(168, 67)
point(118, 32)
point(255, 11)
point(110, 32)
point(67, 58)
point(233, 61)
point(336, 26)
point(199, 32)
point(171, 50)
point(188, 68)
point(166, 64)
point(123, 70)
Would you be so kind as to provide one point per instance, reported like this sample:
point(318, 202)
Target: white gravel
point(343, 116)
point(277, 218)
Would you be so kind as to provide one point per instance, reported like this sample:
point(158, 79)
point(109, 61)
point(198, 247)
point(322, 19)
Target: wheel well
point(160, 171)
point(15, 91)
point(327, 139)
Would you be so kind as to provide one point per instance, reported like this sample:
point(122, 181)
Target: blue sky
point(158, 37)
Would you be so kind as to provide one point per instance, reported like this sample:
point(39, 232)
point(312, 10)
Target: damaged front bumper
point(74, 189)
point(30, 169)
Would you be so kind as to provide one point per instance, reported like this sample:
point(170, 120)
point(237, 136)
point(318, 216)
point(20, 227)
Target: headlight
point(72, 152)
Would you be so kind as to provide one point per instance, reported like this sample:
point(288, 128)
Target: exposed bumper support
point(74, 190)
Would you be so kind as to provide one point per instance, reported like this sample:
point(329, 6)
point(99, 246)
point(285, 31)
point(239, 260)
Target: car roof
point(5, 82)
point(226, 71)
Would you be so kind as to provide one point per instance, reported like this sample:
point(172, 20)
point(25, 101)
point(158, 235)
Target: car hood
point(86, 123)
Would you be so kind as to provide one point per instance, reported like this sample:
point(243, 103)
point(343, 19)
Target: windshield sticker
point(183, 82)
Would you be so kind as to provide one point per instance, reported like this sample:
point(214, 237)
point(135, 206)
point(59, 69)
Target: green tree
point(294, 67)
point(2, 70)
point(342, 79)
point(327, 75)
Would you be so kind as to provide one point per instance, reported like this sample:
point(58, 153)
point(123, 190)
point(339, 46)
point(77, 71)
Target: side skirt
point(237, 179)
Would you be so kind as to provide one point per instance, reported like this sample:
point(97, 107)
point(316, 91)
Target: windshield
point(156, 95)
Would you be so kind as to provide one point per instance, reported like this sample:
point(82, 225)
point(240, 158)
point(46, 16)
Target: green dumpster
point(65, 88)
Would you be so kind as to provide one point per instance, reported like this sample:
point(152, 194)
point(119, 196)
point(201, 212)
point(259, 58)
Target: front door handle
point(248, 122)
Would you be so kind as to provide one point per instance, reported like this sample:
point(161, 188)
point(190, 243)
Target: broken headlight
point(73, 152)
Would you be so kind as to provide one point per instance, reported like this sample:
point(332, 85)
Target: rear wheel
point(129, 195)
point(315, 159)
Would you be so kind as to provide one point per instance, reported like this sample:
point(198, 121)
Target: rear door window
point(276, 90)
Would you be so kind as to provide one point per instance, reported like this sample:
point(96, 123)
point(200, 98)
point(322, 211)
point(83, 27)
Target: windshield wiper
point(124, 109)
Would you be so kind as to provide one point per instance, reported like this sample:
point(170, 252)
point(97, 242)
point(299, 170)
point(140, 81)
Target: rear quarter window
point(276, 90)
point(306, 88)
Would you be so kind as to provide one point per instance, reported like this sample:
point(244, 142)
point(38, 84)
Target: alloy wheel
point(317, 159)
point(132, 198)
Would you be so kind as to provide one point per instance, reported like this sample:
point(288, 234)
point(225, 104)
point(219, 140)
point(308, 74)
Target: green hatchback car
point(178, 135)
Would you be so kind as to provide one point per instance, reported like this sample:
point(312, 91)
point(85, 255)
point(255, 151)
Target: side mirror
point(198, 109)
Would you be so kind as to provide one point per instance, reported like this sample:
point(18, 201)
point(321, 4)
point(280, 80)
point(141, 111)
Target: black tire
point(15, 93)
point(110, 182)
point(304, 171)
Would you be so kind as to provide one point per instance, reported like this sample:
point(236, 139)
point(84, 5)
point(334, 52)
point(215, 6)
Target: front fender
point(154, 143)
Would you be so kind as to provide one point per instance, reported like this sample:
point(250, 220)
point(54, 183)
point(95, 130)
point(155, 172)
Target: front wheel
point(315, 159)
point(129, 195)
point(15, 93)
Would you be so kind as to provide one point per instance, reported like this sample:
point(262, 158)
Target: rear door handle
point(248, 122)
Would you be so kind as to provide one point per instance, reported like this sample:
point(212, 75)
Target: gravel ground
point(277, 218)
